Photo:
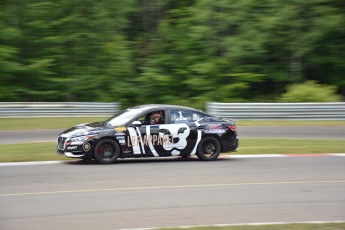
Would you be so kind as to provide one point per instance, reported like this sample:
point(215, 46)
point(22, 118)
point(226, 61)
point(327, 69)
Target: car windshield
point(123, 117)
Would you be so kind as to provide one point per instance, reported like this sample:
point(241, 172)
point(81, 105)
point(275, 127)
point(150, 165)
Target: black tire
point(107, 151)
point(209, 149)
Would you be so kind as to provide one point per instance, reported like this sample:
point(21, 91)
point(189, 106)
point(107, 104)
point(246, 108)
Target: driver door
point(149, 139)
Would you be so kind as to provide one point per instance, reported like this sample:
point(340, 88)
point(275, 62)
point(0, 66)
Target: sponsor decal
point(147, 139)
point(181, 119)
point(196, 117)
point(119, 133)
point(74, 143)
point(86, 146)
point(122, 142)
point(72, 147)
point(120, 128)
point(215, 131)
point(214, 127)
point(120, 138)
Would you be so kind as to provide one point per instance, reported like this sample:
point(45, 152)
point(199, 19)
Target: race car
point(151, 131)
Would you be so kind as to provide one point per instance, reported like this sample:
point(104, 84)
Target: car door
point(184, 129)
point(149, 139)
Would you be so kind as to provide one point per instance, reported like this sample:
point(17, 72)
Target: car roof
point(162, 106)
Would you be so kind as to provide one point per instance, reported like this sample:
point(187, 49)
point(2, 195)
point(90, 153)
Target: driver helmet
point(157, 118)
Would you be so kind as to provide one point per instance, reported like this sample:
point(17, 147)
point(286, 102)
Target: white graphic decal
point(150, 142)
point(177, 132)
point(180, 131)
point(197, 140)
point(175, 153)
point(133, 137)
point(141, 140)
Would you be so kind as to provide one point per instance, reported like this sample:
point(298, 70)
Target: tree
point(184, 52)
point(310, 91)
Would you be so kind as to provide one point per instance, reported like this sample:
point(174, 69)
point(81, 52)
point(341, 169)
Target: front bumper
point(69, 149)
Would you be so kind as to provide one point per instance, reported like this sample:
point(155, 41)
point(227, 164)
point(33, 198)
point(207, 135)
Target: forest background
point(167, 51)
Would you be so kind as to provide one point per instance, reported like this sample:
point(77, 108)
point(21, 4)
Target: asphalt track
point(319, 132)
point(171, 192)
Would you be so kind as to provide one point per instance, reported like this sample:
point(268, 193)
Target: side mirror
point(136, 123)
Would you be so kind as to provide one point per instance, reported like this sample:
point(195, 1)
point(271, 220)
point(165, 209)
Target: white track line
point(222, 156)
point(253, 156)
point(172, 187)
point(242, 224)
point(30, 163)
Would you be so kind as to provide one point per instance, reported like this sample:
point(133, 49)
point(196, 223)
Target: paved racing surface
point(324, 132)
point(172, 192)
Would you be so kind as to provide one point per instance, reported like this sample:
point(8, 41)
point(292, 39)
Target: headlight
point(79, 139)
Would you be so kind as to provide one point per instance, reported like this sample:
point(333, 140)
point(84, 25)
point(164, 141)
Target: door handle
point(181, 130)
point(165, 131)
point(201, 127)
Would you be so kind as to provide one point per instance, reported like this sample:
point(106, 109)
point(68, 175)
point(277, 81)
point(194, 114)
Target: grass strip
point(318, 226)
point(289, 146)
point(66, 122)
point(43, 151)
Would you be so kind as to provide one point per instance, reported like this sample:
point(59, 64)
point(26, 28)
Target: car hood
point(86, 129)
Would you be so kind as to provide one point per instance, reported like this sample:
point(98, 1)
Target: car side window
point(152, 118)
point(184, 116)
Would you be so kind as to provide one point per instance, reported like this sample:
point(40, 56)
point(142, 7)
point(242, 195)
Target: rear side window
point(184, 116)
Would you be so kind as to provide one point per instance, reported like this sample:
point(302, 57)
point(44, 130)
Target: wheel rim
point(106, 152)
point(208, 148)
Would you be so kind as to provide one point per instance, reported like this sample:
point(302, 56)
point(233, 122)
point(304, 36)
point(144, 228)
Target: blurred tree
point(190, 59)
point(310, 91)
point(185, 52)
point(9, 65)
point(69, 50)
point(299, 33)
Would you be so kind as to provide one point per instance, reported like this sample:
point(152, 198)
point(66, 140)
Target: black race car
point(150, 131)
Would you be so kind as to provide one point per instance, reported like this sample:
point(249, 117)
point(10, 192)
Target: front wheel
point(107, 151)
point(209, 149)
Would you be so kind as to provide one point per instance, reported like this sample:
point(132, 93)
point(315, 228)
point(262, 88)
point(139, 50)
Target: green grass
point(289, 146)
point(323, 226)
point(66, 122)
point(46, 150)
point(43, 151)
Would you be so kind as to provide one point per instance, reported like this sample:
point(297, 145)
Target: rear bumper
point(231, 145)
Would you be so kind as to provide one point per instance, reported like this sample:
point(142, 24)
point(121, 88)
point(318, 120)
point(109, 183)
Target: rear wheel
point(107, 151)
point(209, 149)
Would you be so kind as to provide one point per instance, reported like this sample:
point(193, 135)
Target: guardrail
point(57, 109)
point(257, 111)
point(289, 111)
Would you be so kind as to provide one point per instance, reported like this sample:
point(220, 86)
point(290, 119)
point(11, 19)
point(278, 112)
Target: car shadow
point(147, 160)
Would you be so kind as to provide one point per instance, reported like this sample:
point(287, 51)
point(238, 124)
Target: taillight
point(232, 127)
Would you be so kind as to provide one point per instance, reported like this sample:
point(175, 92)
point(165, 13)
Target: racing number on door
point(179, 133)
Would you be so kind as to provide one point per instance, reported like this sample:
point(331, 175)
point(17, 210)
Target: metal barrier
point(254, 111)
point(57, 109)
point(289, 111)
